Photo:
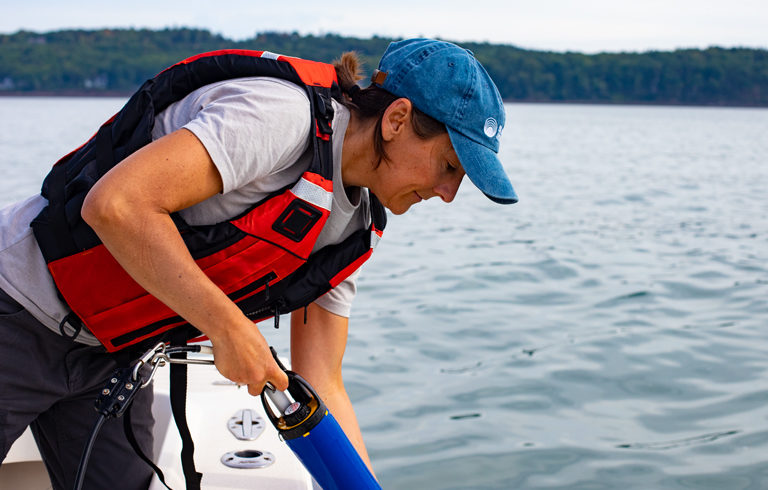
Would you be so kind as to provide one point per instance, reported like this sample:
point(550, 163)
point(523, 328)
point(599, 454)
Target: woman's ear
point(396, 117)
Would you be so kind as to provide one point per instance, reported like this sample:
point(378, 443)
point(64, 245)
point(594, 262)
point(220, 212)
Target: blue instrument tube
point(316, 438)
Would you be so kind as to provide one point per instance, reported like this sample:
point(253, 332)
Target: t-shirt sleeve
point(339, 299)
point(252, 128)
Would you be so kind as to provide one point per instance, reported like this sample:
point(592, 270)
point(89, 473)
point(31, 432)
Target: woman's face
point(416, 169)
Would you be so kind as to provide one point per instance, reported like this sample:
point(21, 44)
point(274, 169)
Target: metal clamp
point(160, 355)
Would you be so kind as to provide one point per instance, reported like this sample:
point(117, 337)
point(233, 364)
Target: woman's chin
point(398, 208)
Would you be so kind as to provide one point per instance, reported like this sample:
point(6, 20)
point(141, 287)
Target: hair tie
point(353, 90)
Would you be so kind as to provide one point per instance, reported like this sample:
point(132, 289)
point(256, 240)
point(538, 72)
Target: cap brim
point(483, 168)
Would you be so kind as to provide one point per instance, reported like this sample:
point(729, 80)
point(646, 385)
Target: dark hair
point(371, 103)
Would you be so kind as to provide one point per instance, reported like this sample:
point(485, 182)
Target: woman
point(431, 115)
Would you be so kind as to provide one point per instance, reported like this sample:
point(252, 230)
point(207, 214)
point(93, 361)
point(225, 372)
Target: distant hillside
point(118, 61)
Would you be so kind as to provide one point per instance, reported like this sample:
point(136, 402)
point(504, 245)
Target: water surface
point(608, 331)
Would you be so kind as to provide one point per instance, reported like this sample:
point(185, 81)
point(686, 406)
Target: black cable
point(80, 478)
point(114, 401)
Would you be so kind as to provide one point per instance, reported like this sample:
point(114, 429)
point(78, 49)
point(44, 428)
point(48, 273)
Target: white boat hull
point(211, 402)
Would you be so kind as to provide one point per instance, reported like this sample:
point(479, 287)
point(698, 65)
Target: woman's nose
point(447, 190)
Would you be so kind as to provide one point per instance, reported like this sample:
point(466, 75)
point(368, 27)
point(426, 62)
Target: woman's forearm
point(148, 246)
point(129, 208)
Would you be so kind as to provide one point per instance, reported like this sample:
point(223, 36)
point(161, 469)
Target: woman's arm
point(129, 209)
point(317, 349)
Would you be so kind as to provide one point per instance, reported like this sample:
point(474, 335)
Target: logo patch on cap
point(491, 127)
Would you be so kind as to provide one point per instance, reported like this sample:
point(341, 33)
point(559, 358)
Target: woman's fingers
point(280, 380)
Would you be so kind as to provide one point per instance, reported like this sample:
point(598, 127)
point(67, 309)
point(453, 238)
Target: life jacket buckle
point(324, 114)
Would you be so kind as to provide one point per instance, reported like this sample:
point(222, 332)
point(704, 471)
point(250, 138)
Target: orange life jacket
point(261, 259)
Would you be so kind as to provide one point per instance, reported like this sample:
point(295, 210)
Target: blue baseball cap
point(447, 83)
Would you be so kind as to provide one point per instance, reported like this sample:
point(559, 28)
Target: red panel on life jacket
point(311, 72)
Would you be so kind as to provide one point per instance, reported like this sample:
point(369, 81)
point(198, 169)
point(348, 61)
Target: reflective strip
point(326, 184)
point(375, 238)
point(270, 55)
point(313, 194)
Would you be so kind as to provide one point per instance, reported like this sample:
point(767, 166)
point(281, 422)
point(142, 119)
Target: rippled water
point(608, 331)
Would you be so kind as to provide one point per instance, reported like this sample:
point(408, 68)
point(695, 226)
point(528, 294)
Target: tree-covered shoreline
point(116, 61)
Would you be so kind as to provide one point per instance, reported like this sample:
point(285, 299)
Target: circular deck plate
point(247, 459)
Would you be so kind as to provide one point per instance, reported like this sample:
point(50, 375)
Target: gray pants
point(50, 383)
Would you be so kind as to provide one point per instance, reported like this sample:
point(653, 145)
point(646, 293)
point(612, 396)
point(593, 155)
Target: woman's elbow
point(101, 209)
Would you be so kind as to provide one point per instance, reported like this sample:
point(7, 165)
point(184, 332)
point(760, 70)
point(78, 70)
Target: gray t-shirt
point(257, 131)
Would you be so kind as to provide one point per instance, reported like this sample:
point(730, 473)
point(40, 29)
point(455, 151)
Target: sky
point(587, 26)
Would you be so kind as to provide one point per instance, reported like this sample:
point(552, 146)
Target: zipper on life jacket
point(254, 286)
point(280, 306)
point(268, 310)
point(277, 315)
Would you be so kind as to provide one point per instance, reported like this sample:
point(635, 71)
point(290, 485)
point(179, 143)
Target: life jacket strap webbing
point(178, 393)
point(105, 159)
point(57, 201)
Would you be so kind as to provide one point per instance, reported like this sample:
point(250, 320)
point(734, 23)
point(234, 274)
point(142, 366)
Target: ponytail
point(348, 72)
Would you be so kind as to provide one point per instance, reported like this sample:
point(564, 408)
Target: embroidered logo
point(491, 127)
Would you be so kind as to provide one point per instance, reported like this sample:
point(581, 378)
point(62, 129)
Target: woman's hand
point(242, 355)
